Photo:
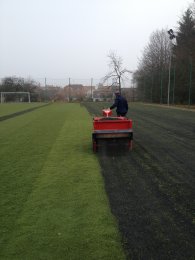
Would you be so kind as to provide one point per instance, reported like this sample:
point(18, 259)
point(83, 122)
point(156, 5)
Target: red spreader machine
point(112, 128)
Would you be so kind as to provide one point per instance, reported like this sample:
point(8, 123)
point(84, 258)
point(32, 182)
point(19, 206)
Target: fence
point(66, 89)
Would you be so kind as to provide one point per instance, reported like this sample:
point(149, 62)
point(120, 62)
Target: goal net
point(15, 97)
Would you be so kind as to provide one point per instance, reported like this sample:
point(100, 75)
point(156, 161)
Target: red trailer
point(108, 127)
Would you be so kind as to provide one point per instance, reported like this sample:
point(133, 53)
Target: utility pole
point(190, 83)
point(69, 91)
point(171, 37)
point(161, 86)
point(151, 93)
point(174, 85)
point(169, 81)
point(45, 88)
point(29, 97)
point(144, 96)
point(91, 89)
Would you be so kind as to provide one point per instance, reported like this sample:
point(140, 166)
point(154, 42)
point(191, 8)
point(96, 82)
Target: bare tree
point(153, 67)
point(117, 72)
point(156, 54)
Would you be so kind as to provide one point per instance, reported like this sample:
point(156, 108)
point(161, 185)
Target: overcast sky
point(72, 38)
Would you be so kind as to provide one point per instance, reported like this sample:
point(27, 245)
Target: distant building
point(78, 92)
point(103, 93)
point(106, 93)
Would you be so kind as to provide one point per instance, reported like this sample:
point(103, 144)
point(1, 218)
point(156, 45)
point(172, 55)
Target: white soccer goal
point(20, 99)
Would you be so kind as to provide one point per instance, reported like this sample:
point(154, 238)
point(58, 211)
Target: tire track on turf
point(2, 118)
point(143, 208)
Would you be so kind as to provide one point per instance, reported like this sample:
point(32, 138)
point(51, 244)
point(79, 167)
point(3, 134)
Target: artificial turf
point(10, 108)
point(52, 199)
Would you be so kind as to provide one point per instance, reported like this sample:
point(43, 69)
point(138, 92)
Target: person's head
point(117, 93)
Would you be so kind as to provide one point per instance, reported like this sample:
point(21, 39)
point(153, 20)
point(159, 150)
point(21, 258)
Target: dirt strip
point(152, 189)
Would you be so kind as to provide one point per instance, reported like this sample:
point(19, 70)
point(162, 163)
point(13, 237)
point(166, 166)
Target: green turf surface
point(52, 199)
point(10, 108)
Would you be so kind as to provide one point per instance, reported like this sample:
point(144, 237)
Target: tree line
point(37, 92)
point(166, 70)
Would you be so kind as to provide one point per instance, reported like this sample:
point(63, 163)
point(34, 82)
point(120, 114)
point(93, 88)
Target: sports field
point(52, 199)
point(59, 200)
point(152, 189)
point(10, 108)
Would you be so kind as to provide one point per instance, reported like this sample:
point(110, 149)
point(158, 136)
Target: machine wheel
point(94, 146)
point(130, 145)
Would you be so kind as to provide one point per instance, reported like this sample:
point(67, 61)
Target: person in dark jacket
point(121, 105)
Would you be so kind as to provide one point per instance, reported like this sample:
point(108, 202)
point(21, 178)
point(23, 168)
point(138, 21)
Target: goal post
point(3, 95)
